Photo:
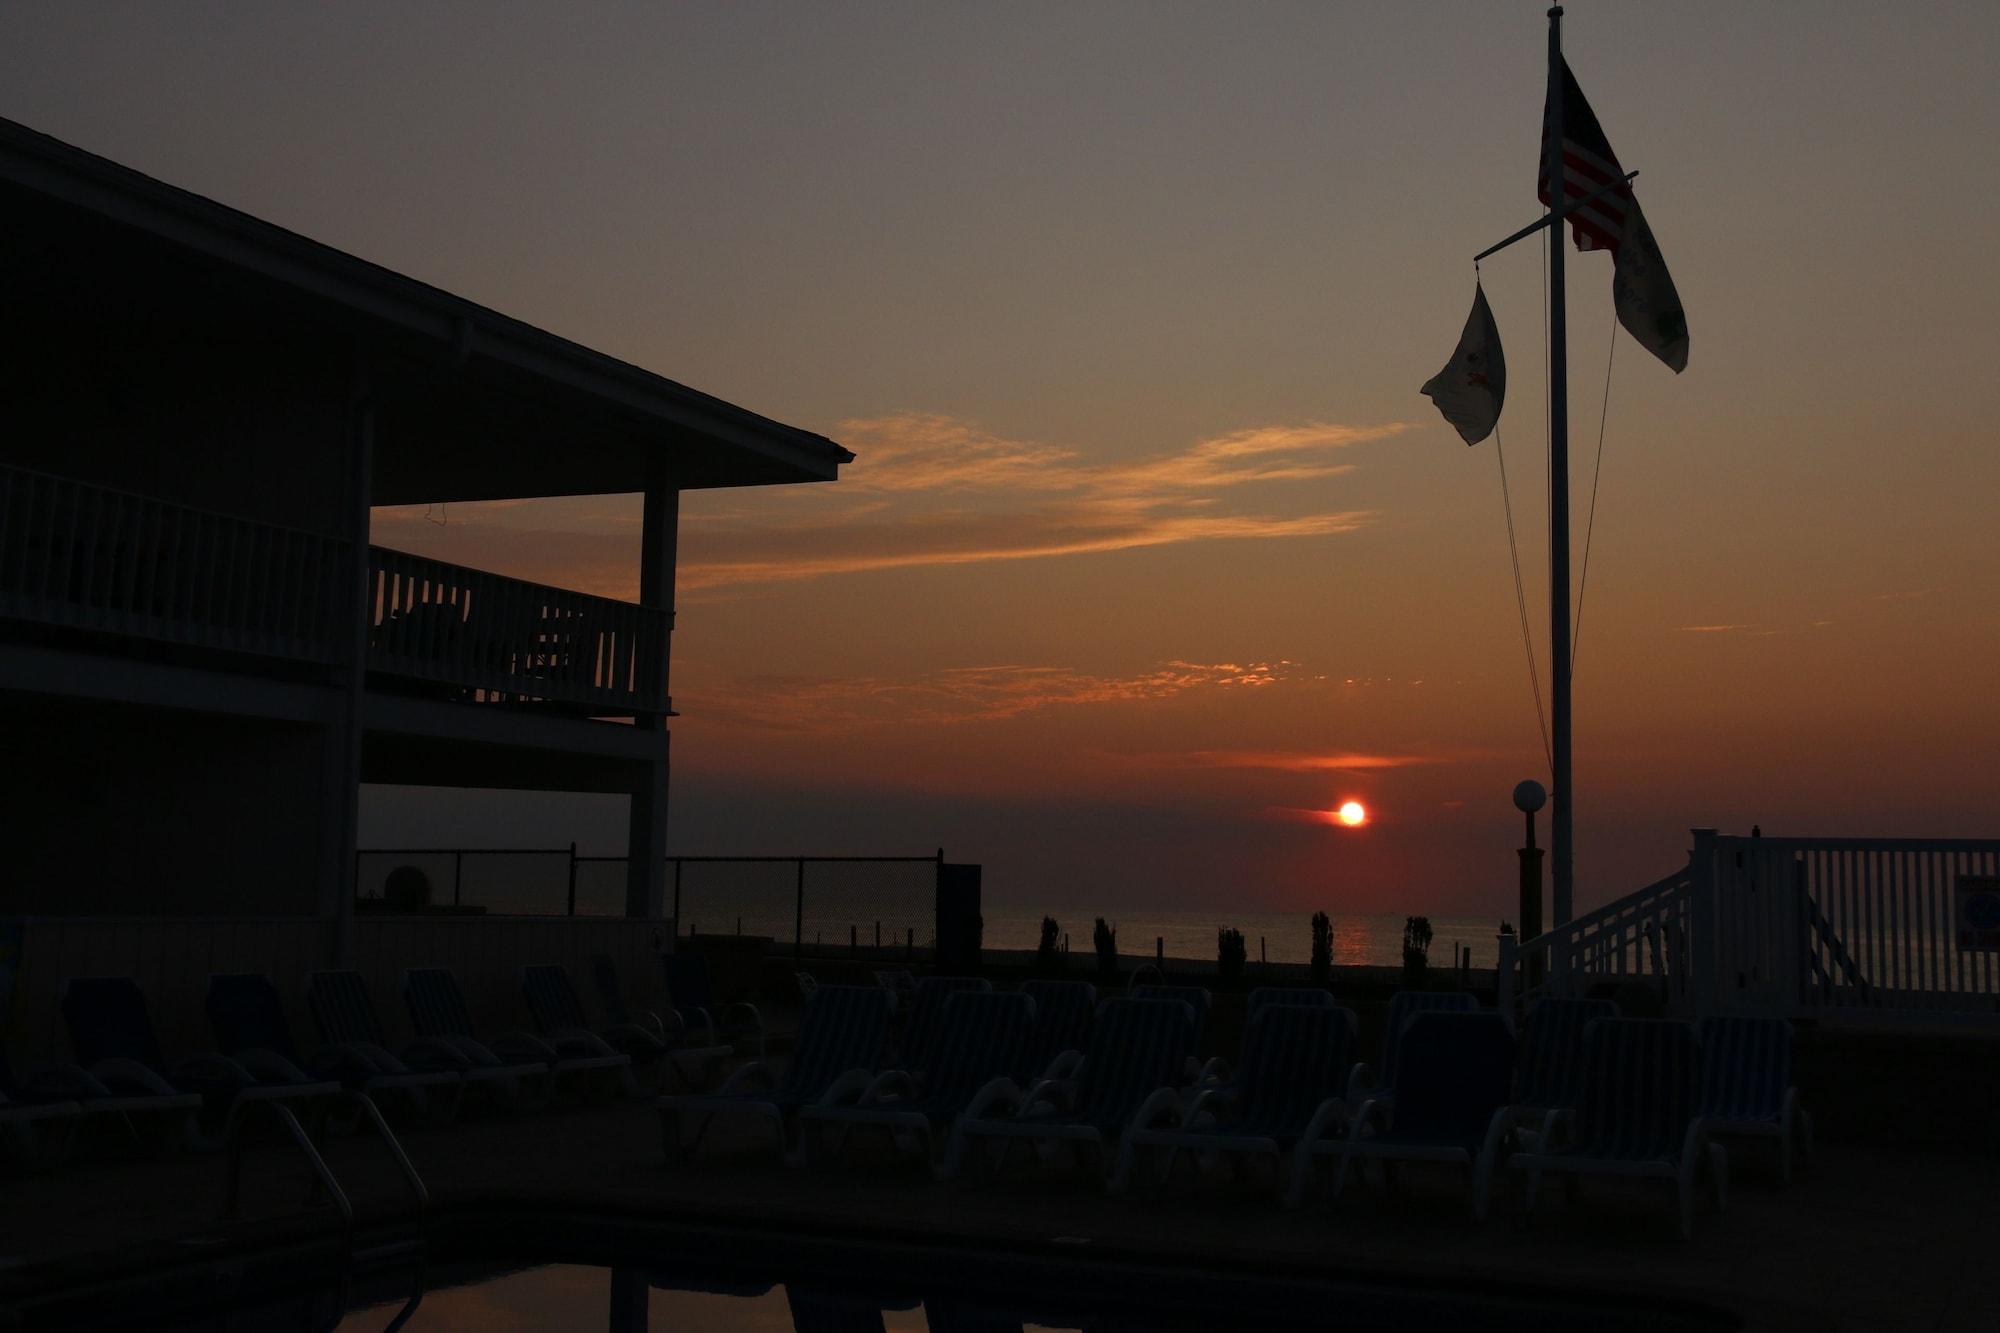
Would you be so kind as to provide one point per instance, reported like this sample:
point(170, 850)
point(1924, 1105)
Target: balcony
point(87, 559)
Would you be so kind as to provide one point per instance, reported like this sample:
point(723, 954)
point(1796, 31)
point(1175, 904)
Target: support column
point(343, 794)
point(646, 830)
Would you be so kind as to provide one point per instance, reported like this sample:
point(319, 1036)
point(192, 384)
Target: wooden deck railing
point(92, 558)
point(486, 638)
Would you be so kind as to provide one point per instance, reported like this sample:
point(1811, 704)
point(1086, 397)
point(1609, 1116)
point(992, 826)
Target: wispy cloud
point(1305, 761)
point(930, 490)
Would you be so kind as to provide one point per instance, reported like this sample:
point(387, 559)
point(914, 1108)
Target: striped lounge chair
point(1198, 1002)
point(112, 1033)
point(437, 1010)
point(980, 1039)
point(1548, 1070)
point(345, 1017)
point(1287, 1090)
point(923, 1014)
point(1746, 1084)
point(1636, 1115)
point(1449, 1103)
point(247, 1017)
point(1064, 1011)
point(839, 1047)
point(692, 993)
point(1139, 1049)
point(1216, 1072)
point(559, 1017)
point(1404, 1005)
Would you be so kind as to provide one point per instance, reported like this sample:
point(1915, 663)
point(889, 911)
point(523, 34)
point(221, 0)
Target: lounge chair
point(980, 1037)
point(1294, 1068)
point(900, 983)
point(1454, 1078)
point(925, 1008)
point(1746, 1084)
point(247, 1017)
point(1198, 1002)
point(1548, 1070)
point(1138, 1050)
point(1638, 1114)
point(1215, 1073)
point(35, 1132)
point(112, 1033)
point(345, 1017)
point(839, 1047)
point(1064, 1011)
point(559, 1017)
point(692, 993)
point(437, 1010)
point(1403, 1006)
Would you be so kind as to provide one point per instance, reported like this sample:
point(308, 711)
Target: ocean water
point(1286, 937)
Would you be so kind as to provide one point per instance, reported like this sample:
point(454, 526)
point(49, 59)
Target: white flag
point(1470, 388)
point(1643, 293)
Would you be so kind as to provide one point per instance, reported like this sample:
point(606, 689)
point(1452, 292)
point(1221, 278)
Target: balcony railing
point(486, 638)
point(92, 558)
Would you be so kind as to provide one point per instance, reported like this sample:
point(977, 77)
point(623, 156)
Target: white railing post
point(1704, 955)
point(1503, 976)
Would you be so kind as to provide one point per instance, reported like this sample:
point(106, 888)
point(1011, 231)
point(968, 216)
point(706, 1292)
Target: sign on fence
point(1978, 902)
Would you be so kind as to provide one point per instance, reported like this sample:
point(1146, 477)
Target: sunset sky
point(1152, 554)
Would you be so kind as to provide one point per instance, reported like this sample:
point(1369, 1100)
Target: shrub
point(1229, 955)
point(1416, 950)
point(1046, 957)
point(1322, 954)
point(1104, 937)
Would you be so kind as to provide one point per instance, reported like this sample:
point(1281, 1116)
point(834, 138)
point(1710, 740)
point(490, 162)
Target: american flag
point(1588, 165)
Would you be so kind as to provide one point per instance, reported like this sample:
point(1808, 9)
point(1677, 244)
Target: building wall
point(118, 810)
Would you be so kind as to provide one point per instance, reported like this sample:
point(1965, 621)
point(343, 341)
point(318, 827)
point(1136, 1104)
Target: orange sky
point(1152, 548)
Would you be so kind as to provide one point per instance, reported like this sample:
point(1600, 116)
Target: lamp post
point(1529, 797)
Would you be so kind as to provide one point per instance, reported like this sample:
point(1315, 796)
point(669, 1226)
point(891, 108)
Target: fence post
point(677, 895)
point(572, 879)
point(799, 914)
point(1503, 975)
point(457, 874)
point(1704, 955)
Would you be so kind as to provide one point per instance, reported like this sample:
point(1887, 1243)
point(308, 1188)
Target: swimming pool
point(502, 1270)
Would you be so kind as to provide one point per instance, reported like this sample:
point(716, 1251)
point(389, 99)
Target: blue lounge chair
point(1454, 1079)
point(345, 1017)
point(925, 1008)
point(839, 1048)
point(1139, 1049)
point(247, 1017)
point(559, 1017)
point(1295, 1065)
point(1215, 1073)
point(1638, 1114)
point(1064, 1011)
point(1548, 1071)
point(692, 993)
point(112, 1033)
point(437, 1010)
point(37, 1130)
point(1403, 1006)
point(1746, 1084)
point(1198, 1002)
point(980, 1037)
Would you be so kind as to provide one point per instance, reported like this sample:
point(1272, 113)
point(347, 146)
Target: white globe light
point(1529, 796)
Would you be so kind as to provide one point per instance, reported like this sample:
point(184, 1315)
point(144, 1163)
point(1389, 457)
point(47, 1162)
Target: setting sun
point(1353, 814)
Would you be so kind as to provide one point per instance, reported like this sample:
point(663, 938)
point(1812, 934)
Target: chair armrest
point(1375, 1112)
point(577, 1042)
point(889, 1083)
point(431, 1054)
point(1212, 1102)
point(846, 1089)
point(1330, 1114)
point(62, 1083)
point(1058, 1093)
point(1694, 1140)
point(753, 1077)
point(742, 1011)
point(118, 1071)
point(1215, 1071)
point(1160, 1110)
point(1064, 1065)
point(1557, 1126)
point(211, 1072)
point(270, 1067)
point(523, 1048)
point(997, 1097)
point(1360, 1081)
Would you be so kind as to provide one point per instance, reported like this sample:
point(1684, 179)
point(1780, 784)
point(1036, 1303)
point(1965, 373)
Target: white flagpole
point(1559, 647)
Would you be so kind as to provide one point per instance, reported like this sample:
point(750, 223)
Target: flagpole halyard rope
point(1521, 599)
point(1590, 524)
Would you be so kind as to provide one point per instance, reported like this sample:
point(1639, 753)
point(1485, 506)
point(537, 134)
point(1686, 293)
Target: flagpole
point(1561, 848)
